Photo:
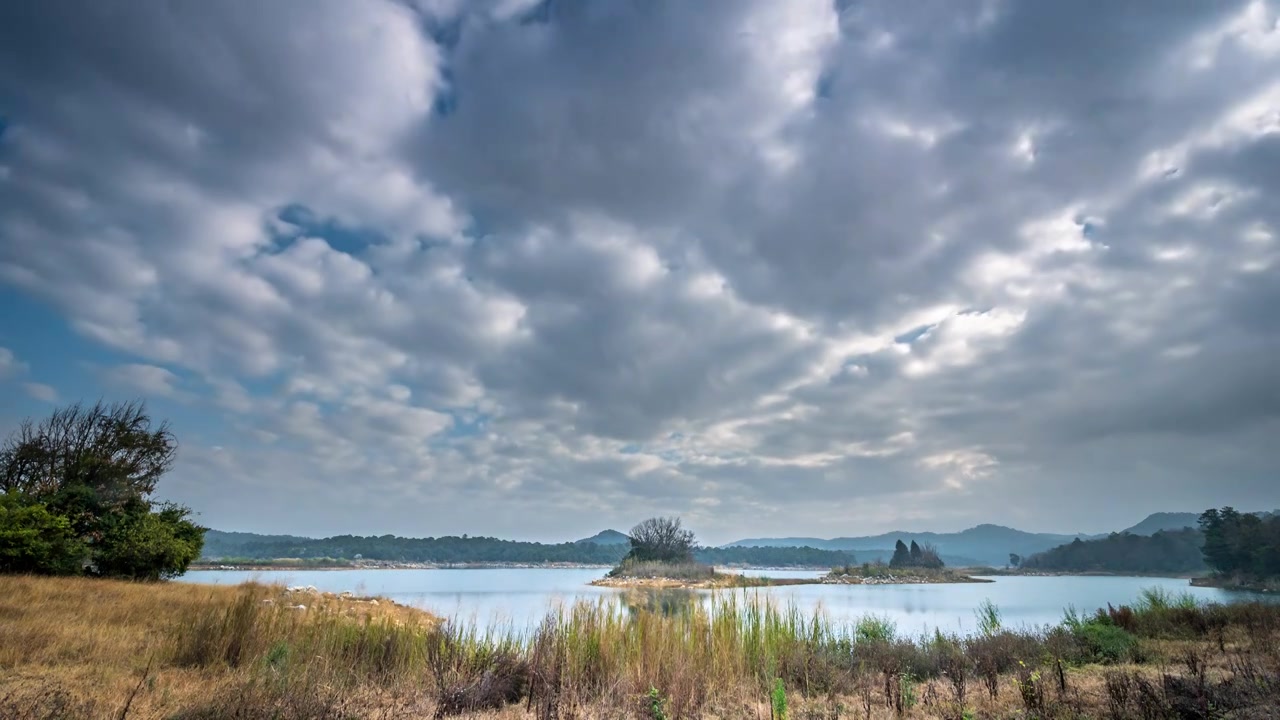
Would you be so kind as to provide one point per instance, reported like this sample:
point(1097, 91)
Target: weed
point(655, 704)
point(872, 628)
point(988, 618)
point(778, 700)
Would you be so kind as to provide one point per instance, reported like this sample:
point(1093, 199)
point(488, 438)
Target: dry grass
point(77, 647)
point(72, 648)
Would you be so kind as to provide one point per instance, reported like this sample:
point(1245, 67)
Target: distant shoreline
point(1262, 586)
point(293, 564)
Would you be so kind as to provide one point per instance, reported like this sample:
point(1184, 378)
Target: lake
point(521, 596)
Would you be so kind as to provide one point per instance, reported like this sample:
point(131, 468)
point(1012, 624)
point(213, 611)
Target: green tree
point(149, 546)
point(96, 468)
point(916, 554)
point(33, 540)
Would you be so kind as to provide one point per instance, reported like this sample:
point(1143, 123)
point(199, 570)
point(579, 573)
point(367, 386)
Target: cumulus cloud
point(477, 267)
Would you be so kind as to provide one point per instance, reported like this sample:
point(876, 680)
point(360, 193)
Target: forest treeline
point(1171, 551)
point(1227, 542)
point(1244, 545)
point(466, 549)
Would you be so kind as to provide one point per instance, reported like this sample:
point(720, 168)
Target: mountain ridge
point(985, 544)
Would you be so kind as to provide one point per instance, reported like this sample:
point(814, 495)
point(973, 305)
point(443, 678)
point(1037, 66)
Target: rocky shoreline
point(902, 579)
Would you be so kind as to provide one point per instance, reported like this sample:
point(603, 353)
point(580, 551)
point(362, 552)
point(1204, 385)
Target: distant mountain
point(606, 537)
point(1176, 521)
point(982, 545)
point(1156, 522)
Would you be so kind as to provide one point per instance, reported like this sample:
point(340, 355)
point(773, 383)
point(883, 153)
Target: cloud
point(41, 392)
point(149, 380)
point(10, 365)
point(476, 267)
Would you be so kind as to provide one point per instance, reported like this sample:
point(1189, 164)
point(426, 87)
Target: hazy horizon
point(731, 537)
point(531, 270)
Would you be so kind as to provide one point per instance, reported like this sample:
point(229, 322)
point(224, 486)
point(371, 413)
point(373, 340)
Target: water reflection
point(668, 603)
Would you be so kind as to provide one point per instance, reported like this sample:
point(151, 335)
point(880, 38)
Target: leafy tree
point(901, 555)
point(150, 546)
point(661, 540)
point(95, 468)
point(33, 540)
point(916, 553)
point(1015, 560)
point(1241, 544)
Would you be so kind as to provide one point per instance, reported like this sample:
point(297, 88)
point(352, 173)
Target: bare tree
point(111, 452)
point(662, 540)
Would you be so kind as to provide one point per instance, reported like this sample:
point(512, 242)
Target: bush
point(871, 628)
point(33, 540)
point(1106, 642)
point(149, 546)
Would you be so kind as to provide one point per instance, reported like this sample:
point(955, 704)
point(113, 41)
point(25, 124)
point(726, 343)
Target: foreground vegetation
point(75, 496)
point(96, 649)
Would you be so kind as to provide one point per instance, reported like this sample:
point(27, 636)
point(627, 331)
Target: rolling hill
point(606, 537)
point(1156, 522)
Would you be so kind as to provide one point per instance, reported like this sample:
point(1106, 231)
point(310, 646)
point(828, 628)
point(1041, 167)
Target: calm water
point(521, 597)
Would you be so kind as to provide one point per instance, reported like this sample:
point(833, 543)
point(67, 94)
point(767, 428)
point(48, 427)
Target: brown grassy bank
point(97, 649)
point(89, 648)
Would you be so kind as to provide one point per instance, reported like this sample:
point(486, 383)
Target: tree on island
point(1015, 560)
point(918, 556)
point(662, 548)
point(901, 555)
point(661, 539)
point(75, 496)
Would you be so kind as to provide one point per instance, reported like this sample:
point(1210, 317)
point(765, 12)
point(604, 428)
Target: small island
point(662, 557)
point(914, 565)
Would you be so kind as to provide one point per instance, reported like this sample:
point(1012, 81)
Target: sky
point(533, 269)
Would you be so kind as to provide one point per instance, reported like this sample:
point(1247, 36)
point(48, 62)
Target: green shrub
point(778, 700)
point(988, 618)
point(872, 628)
point(1106, 642)
point(34, 540)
